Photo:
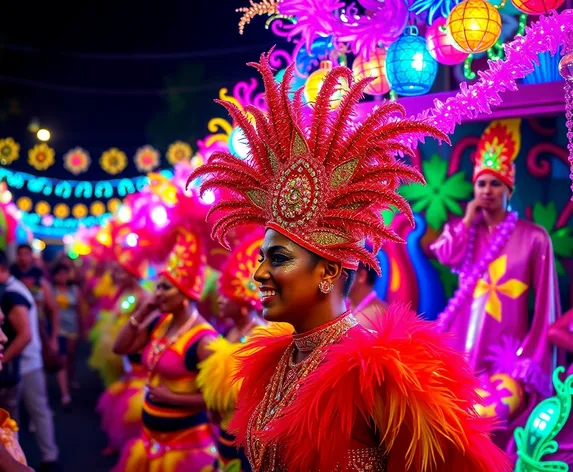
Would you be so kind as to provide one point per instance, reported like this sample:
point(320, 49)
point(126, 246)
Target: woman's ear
point(331, 271)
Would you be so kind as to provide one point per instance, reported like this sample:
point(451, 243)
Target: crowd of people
point(290, 361)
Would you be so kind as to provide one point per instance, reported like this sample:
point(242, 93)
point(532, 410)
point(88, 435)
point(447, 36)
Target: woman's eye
point(261, 259)
point(279, 259)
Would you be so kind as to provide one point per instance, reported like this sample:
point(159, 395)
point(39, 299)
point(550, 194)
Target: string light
point(76, 188)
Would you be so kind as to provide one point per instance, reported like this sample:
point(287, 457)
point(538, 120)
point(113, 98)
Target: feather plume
point(308, 171)
point(418, 393)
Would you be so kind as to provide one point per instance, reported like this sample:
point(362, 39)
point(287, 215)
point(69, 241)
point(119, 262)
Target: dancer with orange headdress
point(501, 260)
point(239, 301)
point(333, 395)
point(177, 435)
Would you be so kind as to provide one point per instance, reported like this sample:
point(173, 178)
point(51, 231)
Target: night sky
point(90, 73)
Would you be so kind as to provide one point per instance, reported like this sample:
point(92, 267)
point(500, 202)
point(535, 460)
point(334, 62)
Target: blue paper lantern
point(410, 68)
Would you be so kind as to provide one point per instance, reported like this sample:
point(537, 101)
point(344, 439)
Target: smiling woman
point(333, 395)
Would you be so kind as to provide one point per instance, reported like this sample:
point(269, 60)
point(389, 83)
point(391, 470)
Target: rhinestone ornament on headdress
point(497, 149)
point(236, 281)
point(186, 264)
point(312, 178)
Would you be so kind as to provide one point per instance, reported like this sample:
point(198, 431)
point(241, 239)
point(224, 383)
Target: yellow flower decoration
point(80, 211)
point(41, 156)
point(9, 151)
point(179, 151)
point(43, 208)
point(97, 208)
point(77, 160)
point(113, 204)
point(113, 161)
point(146, 159)
point(61, 210)
point(24, 204)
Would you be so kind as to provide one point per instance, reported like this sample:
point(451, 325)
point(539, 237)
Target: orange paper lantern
point(474, 25)
point(375, 67)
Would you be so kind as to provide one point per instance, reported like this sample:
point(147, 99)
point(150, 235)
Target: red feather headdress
point(323, 185)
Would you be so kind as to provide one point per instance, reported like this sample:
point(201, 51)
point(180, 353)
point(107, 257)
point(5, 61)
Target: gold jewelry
point(282, 389)
point(309, 341)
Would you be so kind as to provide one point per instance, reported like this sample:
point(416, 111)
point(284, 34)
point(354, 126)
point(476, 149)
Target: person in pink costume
point(501, 260)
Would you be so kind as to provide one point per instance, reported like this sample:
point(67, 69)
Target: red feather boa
point(404, 379)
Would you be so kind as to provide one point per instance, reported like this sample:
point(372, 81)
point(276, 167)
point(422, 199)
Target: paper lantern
point(314, 83)
point(375, 66)
point(537, 7)
point(474, 25)
point(441, 46)
point(410, 68)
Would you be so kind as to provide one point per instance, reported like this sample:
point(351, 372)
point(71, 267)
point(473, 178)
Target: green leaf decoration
point(537, 438)
point(440, 195)
point(545, 216)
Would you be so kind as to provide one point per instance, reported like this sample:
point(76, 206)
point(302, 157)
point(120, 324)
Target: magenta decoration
point(361, 33)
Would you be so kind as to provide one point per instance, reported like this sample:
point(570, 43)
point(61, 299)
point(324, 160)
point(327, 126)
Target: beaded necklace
point(284, 384)
point(472, 271)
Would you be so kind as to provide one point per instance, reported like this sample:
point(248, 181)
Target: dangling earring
point(186, 303)
point(325, 287)
point(244, 312)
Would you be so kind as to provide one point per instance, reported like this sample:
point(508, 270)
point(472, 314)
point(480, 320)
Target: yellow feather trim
point(216, 375)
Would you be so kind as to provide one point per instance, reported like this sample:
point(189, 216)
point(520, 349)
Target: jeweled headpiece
point(236, 279)
point(497, 149)
point(315, 180)
point(185, 267)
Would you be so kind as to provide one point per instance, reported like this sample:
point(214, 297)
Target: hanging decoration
point(61, 210)
point(441, 46)
point(179, 151)
point(77, 161)
point(497, 51)
point(41, 156)
point(113, 205)
point(410, 67)
point(43, 208)
point(474, 25)
point(314, 84)
point(9, 151)
point(146, 159)
point(373, 67)
point(382, 22)
point(24, 203)
point(79, 211)
point(113, 161)
point(537, 7)
point(97, 208)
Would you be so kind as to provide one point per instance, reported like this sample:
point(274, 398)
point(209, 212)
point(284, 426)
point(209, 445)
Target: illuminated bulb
point(124, 214)
point(159, 216)
point(208, 197)
point(43, 134)
point(131, 240)
point(238, 144)
point(6, 197)
point(38, 245)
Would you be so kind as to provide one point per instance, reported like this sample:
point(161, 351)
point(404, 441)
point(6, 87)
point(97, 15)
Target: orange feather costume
point(397, 400)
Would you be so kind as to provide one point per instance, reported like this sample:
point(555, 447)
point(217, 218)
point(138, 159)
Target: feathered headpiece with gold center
point(314, 179)
point(497, 150)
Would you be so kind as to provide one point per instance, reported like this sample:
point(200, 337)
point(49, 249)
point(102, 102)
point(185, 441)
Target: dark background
point(121, 73)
